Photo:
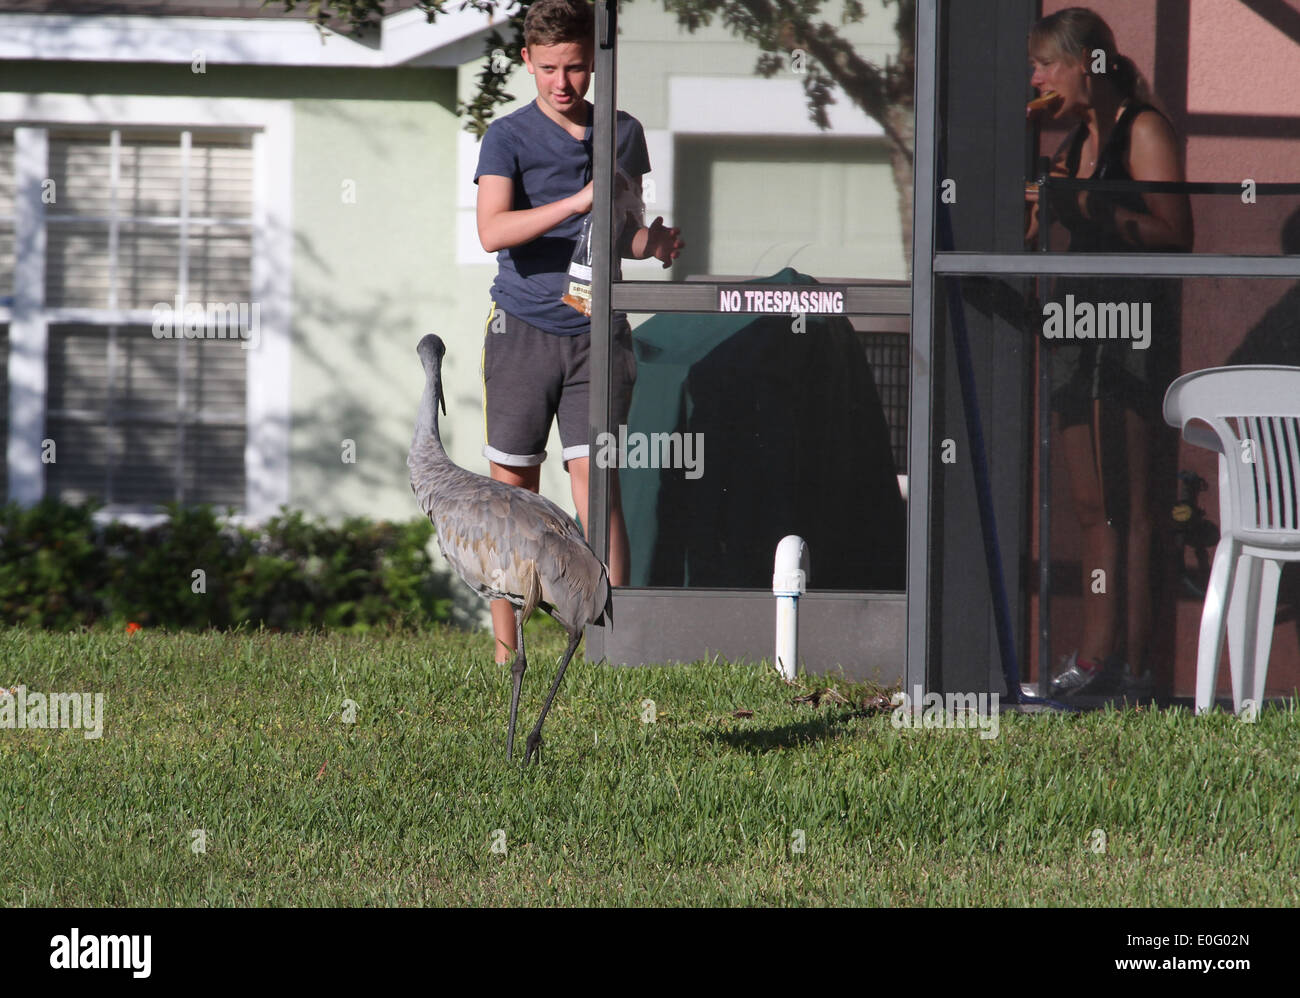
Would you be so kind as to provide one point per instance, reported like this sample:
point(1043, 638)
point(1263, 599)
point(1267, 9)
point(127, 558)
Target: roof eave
point(406, 39)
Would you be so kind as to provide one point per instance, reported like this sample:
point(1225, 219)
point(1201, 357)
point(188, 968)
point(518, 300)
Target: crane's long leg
point(535, 736)
point(517, 671)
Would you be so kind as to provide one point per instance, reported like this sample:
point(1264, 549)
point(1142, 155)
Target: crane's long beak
point(442, 402)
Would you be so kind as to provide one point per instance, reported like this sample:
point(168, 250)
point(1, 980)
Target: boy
point(533, 165)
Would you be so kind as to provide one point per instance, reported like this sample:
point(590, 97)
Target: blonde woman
point(1119, 134)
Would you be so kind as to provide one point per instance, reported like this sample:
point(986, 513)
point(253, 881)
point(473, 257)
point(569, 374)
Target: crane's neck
point(426, 423)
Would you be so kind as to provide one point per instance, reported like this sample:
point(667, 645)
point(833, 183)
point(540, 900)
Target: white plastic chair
point(1253, 414)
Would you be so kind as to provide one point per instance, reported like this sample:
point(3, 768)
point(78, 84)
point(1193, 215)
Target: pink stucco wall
point(1239, 63)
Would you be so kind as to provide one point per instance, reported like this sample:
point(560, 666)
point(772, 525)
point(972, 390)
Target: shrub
point(58, 569)
point(51, 566)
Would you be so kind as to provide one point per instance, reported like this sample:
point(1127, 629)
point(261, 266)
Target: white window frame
point(267, 403)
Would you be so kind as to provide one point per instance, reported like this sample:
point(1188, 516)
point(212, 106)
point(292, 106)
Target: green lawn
point(242, 737)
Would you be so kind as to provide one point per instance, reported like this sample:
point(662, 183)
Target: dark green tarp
point(794, 442)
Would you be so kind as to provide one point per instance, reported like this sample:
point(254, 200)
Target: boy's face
point(563, 75)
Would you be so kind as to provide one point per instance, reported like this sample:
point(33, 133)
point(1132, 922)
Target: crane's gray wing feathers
point(574, 581)
point(496, 536)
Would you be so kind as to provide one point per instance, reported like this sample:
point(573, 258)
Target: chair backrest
point(1254, 413)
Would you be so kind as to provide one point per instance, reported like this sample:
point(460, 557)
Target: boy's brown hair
point(554, 22)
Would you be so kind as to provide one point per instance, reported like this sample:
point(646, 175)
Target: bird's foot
point(534, 747)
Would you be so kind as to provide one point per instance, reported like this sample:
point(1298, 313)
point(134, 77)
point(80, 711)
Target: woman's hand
point(1032, 192)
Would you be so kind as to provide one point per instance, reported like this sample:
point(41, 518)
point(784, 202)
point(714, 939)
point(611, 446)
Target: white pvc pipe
point(789, 582)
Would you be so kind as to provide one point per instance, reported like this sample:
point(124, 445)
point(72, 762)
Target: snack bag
point(577, 292)
point(629, 210)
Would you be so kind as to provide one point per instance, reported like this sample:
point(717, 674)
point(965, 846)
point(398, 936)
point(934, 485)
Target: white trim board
point(746, 105)
point(405, 39)
point(165, 112)
point(28, 329)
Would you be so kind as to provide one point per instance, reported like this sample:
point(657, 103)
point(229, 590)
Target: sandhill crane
point(505, 542)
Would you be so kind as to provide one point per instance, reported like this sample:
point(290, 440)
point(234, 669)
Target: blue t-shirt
point(547, 164)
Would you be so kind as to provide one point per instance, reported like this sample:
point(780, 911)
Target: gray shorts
point(531, 377)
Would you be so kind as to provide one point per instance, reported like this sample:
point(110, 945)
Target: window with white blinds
point(136, 219)
point(141, 218)
point(139, 421)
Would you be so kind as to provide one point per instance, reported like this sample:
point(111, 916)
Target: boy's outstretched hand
point(662, 243)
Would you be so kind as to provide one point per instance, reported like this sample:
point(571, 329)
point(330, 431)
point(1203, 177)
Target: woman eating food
point(1119, 133)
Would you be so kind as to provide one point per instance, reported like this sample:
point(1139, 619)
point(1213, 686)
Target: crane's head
point(431, 349)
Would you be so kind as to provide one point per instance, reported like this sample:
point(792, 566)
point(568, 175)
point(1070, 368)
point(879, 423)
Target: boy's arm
point(631, 226)
point(657, 241)
point(501, 228)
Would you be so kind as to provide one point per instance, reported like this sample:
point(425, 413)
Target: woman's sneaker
point(1076, 676)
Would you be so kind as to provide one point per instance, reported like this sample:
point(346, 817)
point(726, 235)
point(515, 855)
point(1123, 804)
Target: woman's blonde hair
point(1076, 33)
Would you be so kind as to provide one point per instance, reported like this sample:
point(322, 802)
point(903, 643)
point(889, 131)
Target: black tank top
point(1086, 234)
